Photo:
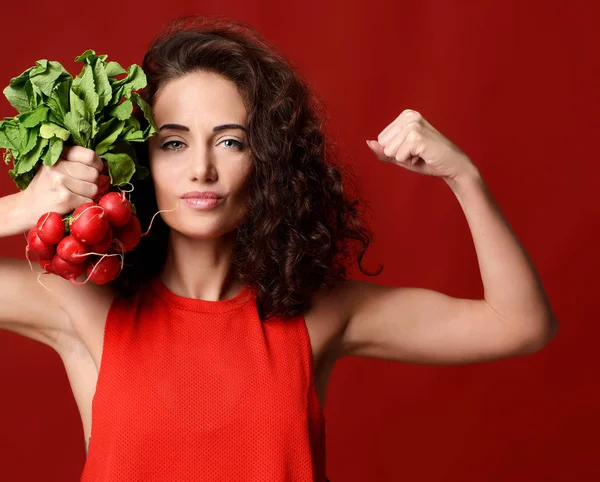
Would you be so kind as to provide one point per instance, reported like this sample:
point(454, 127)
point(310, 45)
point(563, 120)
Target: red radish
point(67, 270)
point(89, 225)
point(75, 214)
point(72, 250)
point(104, 244)
point(46, 264)
point(129, 235)
point(104, 270)
point(80, 209)
point(51, 228)
point(117, 207)
point(37, 247)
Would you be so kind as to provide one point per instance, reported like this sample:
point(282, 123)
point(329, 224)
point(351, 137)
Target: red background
point(515, 85)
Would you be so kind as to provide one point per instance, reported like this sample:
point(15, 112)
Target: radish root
point(75, 282)
point(44, 221)
point(40, 282)
point(27, 256)
point(89, 207)
point(152, 220)
point(97, 254)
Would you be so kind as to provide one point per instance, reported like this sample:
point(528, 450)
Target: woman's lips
point(199, 203)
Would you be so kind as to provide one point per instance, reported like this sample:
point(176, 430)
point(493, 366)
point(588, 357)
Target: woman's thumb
point(378, 150)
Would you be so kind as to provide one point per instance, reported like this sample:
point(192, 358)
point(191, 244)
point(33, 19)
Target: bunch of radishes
point(92, 240)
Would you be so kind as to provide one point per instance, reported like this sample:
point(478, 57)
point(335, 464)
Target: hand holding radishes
point(75, 179)
point(60, 244)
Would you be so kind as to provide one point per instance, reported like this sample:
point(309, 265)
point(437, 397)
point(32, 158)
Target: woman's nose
point(202, 166)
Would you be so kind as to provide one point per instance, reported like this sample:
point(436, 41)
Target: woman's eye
point(164, 146)
point(239, 145)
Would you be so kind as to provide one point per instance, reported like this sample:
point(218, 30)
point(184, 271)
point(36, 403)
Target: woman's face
point(199, 148)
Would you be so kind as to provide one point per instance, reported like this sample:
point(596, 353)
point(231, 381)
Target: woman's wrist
point(15, 214)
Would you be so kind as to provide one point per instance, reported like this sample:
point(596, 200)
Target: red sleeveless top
point(197, 390)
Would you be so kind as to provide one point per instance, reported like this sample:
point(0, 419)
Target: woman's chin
point(196, 233)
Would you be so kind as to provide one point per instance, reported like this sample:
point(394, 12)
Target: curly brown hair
point(302, 218)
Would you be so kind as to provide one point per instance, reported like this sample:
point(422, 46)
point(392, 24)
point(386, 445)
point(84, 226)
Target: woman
point(210, 358)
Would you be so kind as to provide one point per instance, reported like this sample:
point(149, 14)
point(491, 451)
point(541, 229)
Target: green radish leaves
point(95, 110)
point(120, 166)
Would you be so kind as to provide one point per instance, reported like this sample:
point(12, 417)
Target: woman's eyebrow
point(175, 127)
point(222, 127)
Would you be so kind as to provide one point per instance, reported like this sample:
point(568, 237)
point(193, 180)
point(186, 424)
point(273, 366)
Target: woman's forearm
point(511, 284)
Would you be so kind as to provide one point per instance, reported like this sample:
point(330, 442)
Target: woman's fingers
point(83, 155)
point(77, 170)
point(83, 189)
